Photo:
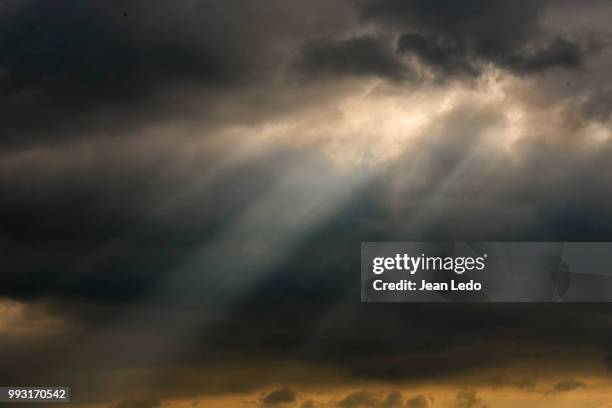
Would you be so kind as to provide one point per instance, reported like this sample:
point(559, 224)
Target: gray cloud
point(476, 20)
point(359, 56)
point(104, 197)
point(71, 65)
point(560, 52)
point(439, 53)
point(598, 106)
point(452, 58)
point(74, 69)
point(463, 39)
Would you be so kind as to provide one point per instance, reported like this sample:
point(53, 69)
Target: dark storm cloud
point(41, 260)
point(486, 21)
point(107, 224)
point(73, 68)
point(463, 38)
point(92, 45)
point(93, 236)
point(608, 363)
point(66, 62)
point(453, 58)
point(358, 56)
point(419, 342)
point(560, 52)
point(235, 363)
point(112, 228)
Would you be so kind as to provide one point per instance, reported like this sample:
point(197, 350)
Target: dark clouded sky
point(184, 187)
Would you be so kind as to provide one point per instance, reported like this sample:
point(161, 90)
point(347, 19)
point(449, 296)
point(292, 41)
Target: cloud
point(359, 399)
point(455, 39)
point(131, 144)
point(515, 382)
point(308, 404)
point(119, 66)
point(104, 199)
point(452, 58)
point(279, 397)
point(559, 52)
point(394, 399)
point(598, 106)
point(419, 401)
point(357, 56)
point(567, 385)
point(436, 52)
point(104, 65)
point(539, 175)
point(468, 398)
point(608, 362)
point(476, 20)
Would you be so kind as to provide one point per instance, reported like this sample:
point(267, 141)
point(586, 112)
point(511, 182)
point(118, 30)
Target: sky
point(184, 187)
